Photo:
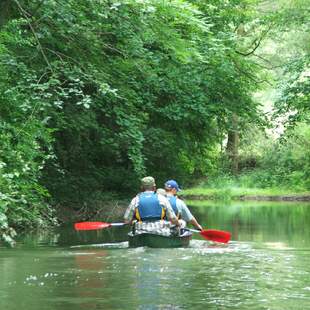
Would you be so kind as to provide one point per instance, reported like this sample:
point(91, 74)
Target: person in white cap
point(161, 191)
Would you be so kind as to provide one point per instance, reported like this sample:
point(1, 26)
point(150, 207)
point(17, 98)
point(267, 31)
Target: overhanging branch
point(26, 14)
point(256, 43)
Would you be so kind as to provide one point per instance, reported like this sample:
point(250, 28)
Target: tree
point(97, 94)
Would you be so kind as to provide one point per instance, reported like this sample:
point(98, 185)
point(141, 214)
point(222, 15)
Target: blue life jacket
point(149, 208)
point(173, 202)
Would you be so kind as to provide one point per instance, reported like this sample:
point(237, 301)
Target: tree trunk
point(233, 145)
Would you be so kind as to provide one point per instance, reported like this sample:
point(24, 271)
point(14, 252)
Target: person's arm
point(128, 221)
point(186, 214)
point(195, 223)
point(129, 213)
point(175, 221)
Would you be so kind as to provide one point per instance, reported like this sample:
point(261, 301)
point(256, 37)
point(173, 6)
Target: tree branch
point(249, 75)
point(272, 66)
point(256, 43)
point(26, 14)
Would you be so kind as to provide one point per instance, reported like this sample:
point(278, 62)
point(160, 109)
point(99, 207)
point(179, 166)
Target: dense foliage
point(104, 92)
point(95, 94)
point(284, 161)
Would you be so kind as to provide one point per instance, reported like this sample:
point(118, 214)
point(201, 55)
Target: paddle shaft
point(118, 224)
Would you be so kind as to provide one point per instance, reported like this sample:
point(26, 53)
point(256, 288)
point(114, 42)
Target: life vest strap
point(151, 219)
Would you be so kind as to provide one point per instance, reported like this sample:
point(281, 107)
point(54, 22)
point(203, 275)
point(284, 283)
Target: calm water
point(265, 266)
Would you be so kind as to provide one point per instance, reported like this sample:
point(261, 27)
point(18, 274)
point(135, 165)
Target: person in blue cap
point(179, 207)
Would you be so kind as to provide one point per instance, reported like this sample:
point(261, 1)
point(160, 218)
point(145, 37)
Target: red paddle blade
point(91, 225)
point(216, 235)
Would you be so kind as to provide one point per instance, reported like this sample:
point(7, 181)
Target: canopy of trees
point(95, 94)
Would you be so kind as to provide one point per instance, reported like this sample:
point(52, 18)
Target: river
point(265, 266)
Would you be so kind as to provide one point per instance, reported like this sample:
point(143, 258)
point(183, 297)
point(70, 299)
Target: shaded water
point(265, 266)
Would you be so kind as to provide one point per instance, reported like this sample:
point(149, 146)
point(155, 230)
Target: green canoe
point(159, 241)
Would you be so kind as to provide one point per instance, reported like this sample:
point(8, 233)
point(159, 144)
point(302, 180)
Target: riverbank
point(103, 210)
point(239, 193)
point(112, 208)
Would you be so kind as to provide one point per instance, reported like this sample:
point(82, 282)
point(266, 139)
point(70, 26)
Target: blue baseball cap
point(172, 184)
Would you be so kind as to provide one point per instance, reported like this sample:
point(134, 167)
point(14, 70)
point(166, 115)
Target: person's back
point(174, 204)
point(148, 210)
point(178, 205)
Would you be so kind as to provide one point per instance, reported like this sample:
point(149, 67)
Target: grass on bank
point(240, 191)
point(233, 188)
point(202, 204)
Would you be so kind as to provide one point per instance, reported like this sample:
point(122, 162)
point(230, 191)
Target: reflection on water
point(265, 266)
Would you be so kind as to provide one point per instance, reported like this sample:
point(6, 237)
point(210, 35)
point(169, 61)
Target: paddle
point(213, 235)
point(209, 234)
point(95, 225)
